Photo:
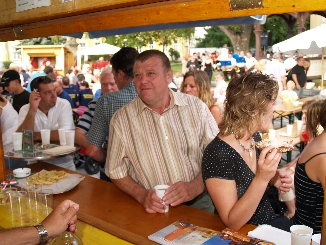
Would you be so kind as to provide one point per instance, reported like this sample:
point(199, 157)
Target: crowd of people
point(199, 141)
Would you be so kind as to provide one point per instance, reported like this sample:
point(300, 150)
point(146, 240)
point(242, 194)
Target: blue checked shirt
point(106, 106)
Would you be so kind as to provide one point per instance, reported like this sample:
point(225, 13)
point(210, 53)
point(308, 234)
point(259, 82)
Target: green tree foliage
point(277, 27)
point(214, 37)
point(174, 54)
point(52, 40)
point(142, 39)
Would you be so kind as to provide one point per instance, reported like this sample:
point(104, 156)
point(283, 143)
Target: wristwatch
point(44, 237)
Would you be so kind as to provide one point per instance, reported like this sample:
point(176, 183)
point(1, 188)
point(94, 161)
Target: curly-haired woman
point(197, 83)
point(236, 174)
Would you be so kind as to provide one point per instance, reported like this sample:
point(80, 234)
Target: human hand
point(63, 217)
point(180, 192)
point(34, 100)
point(282, 181)
point(298, 86)
point(152, 203)
point(268, 161)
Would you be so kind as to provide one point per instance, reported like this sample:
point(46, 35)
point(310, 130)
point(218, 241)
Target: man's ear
point(169, 76)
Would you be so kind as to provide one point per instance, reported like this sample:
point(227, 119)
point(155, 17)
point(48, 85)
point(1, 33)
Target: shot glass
point(10, 199)
point(45, 199)
point(20, 203)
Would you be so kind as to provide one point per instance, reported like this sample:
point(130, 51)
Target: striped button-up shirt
point(160, 148)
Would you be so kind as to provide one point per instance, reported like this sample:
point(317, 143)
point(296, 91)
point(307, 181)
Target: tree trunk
point(240, 40)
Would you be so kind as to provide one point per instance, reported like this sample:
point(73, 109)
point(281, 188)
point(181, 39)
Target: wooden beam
point(142, 15)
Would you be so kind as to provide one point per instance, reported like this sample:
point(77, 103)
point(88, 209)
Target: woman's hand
point(268, 161)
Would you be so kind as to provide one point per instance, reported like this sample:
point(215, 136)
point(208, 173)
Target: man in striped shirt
point(159, 138)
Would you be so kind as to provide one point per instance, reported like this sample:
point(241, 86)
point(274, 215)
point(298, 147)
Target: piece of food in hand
point(47, 177)
point(280, 145)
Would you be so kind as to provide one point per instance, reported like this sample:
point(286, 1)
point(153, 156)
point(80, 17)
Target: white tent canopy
point(309, 42)
point(102, 48)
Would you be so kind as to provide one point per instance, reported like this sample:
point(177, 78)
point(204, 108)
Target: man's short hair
point(106, 70)
point(124, 60)
point(35, 83)
point(48, 69)
point(142, 57)
point(80, 77)
point(65, 81)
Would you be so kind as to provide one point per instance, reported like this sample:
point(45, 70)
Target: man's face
point(151, 81)
point(107, 83)
point(48, 95)
point(58, 88)
point(12, 86)
point(301, 62)
point(59, 78)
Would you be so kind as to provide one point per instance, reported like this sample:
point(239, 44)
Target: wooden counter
point(104, 206)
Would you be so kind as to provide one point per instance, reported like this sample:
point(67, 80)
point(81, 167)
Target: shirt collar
point(176, 100)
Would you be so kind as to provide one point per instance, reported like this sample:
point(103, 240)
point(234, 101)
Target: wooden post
point(2, 158)
point(322, 67)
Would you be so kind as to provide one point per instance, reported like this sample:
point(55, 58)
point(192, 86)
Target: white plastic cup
point(62, 136)
point(17, 140)
point(271, 134)
point(299, 125)
point(160, 191)
point(45, 135)
point(290, 194)
point(300, 235)
point(70, 137)
point(289, 129)
point(316, 239)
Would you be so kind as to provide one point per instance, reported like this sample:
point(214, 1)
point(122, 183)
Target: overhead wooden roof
point(91, 15)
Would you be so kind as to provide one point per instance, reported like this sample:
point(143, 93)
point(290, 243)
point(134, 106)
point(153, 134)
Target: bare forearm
point(20, 236)
point(95, 152)
point(80, 138)
point(130, 187)
point(246, 206)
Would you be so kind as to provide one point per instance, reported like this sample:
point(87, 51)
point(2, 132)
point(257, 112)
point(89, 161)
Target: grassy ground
point(176, 66)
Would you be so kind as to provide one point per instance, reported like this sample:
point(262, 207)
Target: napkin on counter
point(272, 234)
point(59, 150)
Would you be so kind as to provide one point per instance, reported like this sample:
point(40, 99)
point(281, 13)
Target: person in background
point(310, 171)
point(70, 89)
point(26, 77)
point(197, 83)
point(178, 79)
point(46, 111)
point(11, 82)
point(85, 94)
point(289, 63)
point(63, 217)
point(220, 88)
point(289, 95)
point(299, 76)
point(235, 172)
point(277, 69)
point(250, 61)
point(107, 85)
point(61, 93)
point(122, 68)
point(208, 66)
point(193, 64)
point(172, 129)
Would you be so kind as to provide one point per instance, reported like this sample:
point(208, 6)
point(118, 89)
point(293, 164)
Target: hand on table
point(152, 203)
point(63, 217)
point(180, 192)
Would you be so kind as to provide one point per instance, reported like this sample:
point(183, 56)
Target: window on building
point(97, 42)
point(82, 45)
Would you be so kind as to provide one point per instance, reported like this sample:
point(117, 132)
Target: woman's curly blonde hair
point(247, 98)
point(203, 85)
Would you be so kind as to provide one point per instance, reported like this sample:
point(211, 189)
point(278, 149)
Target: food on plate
point(280, 145)
point(47, 177)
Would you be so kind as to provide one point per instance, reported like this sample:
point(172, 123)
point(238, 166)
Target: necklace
point(250, 149)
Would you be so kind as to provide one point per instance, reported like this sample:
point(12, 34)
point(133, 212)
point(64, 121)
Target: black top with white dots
point(221, 161)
